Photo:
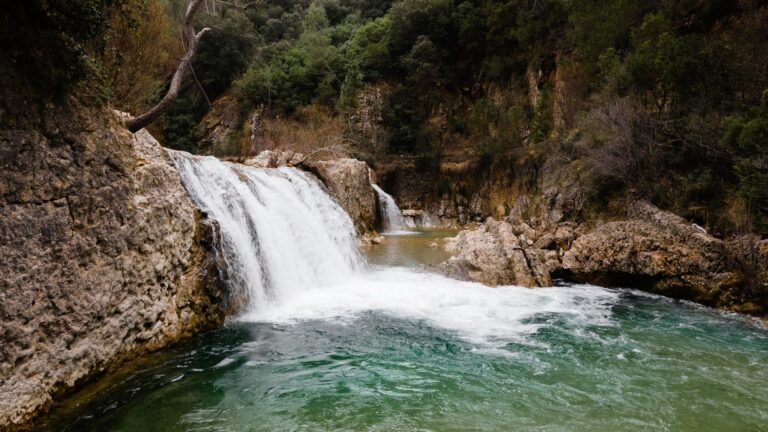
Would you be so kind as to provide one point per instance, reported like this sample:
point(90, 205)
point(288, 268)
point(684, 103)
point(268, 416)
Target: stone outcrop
point(368, 122)
point(104, 256)
point(651, 249)
point(274, 159)
point(654, 250)
point(218, 128)
point(348, 180)
point(496, 253)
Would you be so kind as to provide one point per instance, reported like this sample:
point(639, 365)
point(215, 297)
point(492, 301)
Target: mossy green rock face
point(103, 256)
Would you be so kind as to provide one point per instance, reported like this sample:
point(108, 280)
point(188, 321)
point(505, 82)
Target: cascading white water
point(281, 232)
point(392, 219)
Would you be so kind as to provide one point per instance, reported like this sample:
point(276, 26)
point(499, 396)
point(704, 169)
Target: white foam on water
point(477, 313)
point(291, 253)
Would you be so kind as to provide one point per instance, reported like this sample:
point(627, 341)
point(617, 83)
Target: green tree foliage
point(747, 137)
point(289, 74)
point(224, 53)
point(601, 29)
point(493, 71)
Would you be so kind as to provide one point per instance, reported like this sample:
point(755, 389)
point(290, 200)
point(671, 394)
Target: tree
point(747, 137)
point(141, 50)
point(191, 39)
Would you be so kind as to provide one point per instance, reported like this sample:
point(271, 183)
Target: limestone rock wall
point(104, 256)
point(348, 180)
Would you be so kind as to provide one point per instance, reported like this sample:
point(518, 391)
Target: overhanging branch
point(191, 38)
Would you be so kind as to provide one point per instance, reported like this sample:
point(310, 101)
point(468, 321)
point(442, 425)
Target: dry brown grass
point(310, 129)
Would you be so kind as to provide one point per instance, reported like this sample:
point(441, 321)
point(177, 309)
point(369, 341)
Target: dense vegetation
point(664, 99)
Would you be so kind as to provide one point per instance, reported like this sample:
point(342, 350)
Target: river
point(380, 343)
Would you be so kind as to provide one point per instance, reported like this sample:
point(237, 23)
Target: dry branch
point(191, 39)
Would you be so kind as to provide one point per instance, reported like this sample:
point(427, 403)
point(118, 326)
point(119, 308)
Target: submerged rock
point(103, 255)
point(494, 254)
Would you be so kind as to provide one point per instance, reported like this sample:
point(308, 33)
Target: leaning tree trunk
point(190, 39)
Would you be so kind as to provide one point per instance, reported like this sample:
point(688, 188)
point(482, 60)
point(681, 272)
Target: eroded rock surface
point(103, 257)
point(651, 249)
point(496, 253)
point(348, 180)
point(274, 159)
point(655, 250)
point(218, 127)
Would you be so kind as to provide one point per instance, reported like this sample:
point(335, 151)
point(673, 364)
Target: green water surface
point(650, 364)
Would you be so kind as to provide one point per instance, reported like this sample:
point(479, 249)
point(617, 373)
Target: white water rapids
point(290, 252)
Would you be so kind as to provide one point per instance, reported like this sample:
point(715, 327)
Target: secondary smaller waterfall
point(392, 219)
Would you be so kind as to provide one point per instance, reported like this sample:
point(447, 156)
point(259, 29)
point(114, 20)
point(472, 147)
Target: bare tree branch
point(245, 6)
point(192, 39)
point(332, 149)
point(200, 85)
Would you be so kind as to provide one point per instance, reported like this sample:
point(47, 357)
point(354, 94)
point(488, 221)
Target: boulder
point(494, 254)
point(546, 241)
point(104, 256)
point(654, 250)
point(348, 181)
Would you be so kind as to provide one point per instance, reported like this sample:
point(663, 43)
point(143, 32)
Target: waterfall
point(281, 232)
point(392, 219)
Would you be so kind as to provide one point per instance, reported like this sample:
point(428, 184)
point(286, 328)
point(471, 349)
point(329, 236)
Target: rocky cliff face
point(103, 255)
point(452, 193)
